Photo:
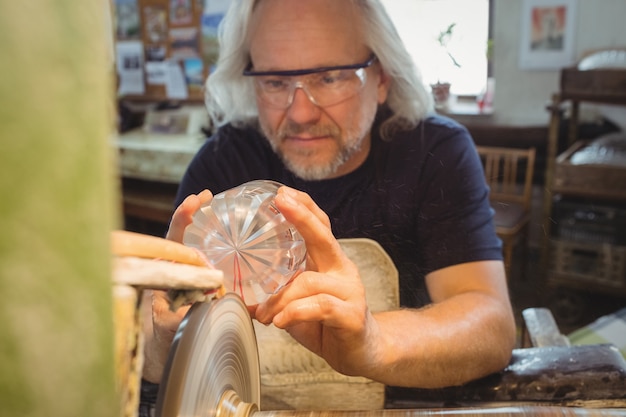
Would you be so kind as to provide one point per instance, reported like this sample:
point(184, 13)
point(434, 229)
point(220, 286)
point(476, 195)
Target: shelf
point(596, 86)
point(583, 265)
point(148, 200)
point(588, 180)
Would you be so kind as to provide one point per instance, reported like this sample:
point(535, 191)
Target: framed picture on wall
point(548, 31)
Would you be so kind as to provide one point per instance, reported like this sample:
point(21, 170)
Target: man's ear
point(384, 81)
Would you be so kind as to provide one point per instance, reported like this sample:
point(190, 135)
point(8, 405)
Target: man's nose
point(302, 106)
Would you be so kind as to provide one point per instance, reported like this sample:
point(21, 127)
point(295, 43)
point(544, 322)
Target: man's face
point(315, 142)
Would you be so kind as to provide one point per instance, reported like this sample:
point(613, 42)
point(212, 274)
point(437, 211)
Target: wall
point(521, 95)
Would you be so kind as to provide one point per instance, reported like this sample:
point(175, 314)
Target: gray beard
point(317, 172)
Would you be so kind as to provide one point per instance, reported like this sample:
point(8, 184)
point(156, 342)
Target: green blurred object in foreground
point(56, 210)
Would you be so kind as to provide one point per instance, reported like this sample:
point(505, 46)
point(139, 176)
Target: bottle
point(243, 234)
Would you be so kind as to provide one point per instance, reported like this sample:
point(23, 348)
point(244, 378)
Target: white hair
point(230, 96)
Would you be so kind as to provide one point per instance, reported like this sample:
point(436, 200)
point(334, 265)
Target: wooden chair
point(294, 378)
point(509, 174)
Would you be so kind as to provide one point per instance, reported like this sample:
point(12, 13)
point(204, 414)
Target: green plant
point(489, 49)
point(445, 36)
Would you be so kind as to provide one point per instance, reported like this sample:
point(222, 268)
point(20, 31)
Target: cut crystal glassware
point(242, 233)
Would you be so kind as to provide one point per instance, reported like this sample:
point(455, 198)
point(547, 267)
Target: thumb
point(183, 215)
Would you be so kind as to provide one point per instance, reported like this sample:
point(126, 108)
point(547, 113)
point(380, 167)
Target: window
point(419, 23)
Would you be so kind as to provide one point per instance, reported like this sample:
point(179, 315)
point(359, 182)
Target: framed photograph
point(181, 12)
point(127, 19)
point(548, 31)
point(155, 24)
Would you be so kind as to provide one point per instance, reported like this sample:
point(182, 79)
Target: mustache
point(293, 129)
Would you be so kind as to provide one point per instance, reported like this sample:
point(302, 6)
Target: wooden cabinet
point(147, 206)
point(584, 207)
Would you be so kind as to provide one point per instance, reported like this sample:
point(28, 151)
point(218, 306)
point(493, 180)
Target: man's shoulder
point(442, 122)
point(432, 131)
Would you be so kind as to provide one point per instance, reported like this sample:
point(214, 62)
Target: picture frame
point(547, 34)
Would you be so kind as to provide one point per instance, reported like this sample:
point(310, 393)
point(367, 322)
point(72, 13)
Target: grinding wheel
point(213, 364)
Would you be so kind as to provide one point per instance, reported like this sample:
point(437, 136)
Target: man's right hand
point(159, 322)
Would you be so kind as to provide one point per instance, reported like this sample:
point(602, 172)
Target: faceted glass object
point(243, 234)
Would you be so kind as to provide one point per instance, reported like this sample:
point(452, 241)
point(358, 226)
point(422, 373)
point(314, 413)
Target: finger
point(252, 310)
point(307, 286)
point(183, 215)
point(163, 316)
point(308, 202)
point(163, 327)
point(316, 308)
point(321, 308)
point(313, 224)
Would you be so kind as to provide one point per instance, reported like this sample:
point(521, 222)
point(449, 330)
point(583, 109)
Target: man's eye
point(330, 77)
point(274, 84)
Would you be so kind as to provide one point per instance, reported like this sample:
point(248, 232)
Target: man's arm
point(468, 331)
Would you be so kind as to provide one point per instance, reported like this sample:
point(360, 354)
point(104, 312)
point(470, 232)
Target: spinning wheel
point(213, 366)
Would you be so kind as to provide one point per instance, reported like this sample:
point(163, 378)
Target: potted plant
point(441, 89)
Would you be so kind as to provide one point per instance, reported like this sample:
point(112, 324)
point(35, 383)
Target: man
point(321, 95)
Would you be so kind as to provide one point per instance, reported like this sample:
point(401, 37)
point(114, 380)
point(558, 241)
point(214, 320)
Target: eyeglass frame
point(359, 67)
point(248, 72)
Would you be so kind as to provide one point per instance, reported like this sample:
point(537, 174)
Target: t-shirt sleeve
point(455, 220)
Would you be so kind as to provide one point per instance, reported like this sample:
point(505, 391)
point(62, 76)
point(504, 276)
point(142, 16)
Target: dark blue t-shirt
point(421, 195)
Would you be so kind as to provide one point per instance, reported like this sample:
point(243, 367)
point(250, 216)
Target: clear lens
point(323, 88)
